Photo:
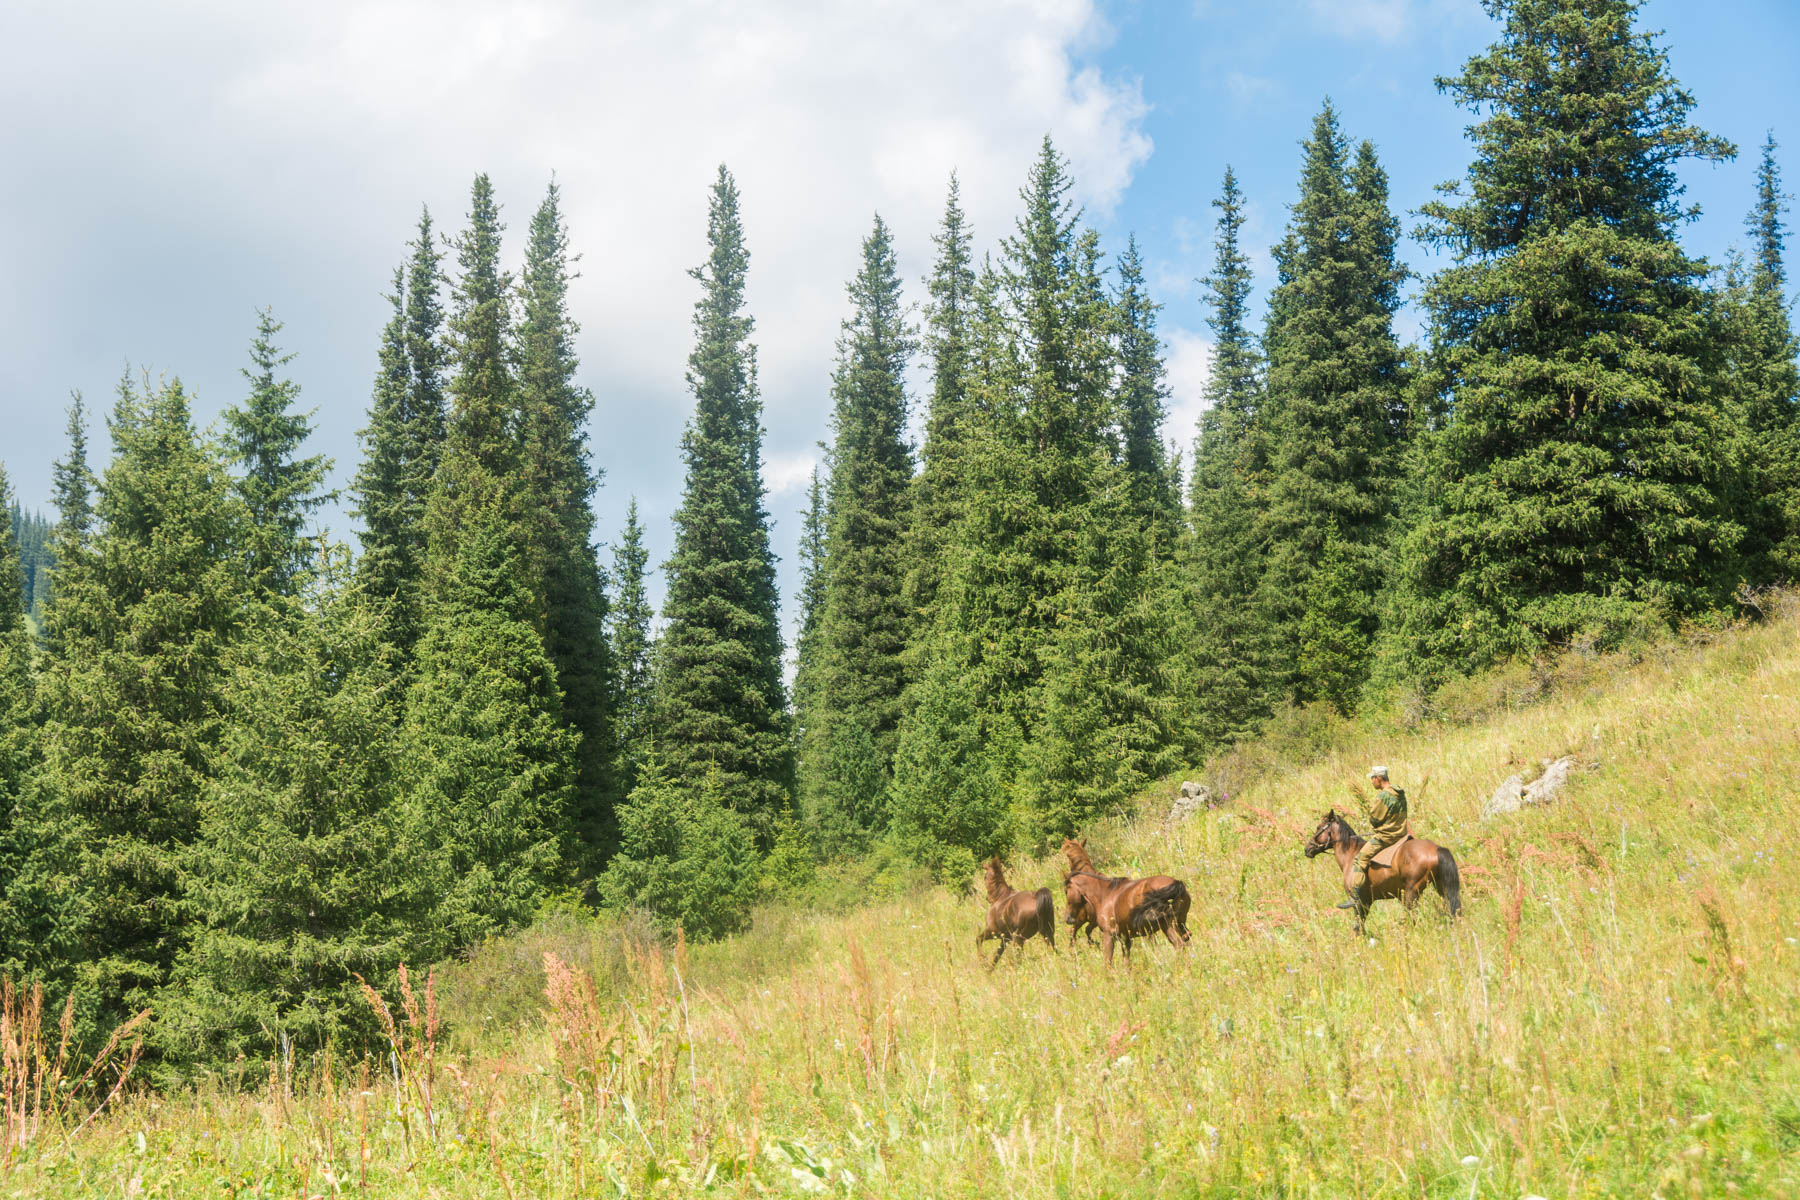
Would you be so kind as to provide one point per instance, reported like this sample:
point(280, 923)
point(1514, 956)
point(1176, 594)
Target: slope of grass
point(1619, 1014)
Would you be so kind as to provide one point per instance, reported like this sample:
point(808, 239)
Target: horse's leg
point(1108, 939)
point(999, 952)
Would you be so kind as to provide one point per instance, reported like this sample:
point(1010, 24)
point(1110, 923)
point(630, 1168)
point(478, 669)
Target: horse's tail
point(1168, 893)
point(1160, 906)
point(1449, 880)
point(1046, 915)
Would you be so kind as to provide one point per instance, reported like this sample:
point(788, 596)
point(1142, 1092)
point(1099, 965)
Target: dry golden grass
point(1619, 1014)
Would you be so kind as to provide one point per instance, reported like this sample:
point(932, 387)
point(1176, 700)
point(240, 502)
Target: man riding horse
point(1386, 809)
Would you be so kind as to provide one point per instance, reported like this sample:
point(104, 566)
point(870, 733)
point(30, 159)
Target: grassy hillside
point(1618, 1014)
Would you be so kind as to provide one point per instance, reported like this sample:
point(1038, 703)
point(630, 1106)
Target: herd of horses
point(1123, 909)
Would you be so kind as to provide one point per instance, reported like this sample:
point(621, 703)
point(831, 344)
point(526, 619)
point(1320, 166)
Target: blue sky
point(181, 165)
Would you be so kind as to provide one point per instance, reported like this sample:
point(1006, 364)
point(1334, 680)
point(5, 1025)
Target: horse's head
point(994, 877)
point(1326, 837)
point(1077, 908)
point(1076, 852)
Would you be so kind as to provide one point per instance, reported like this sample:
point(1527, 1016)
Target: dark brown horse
point(1124, 909)
point(1418, 862)
point(1014, 917)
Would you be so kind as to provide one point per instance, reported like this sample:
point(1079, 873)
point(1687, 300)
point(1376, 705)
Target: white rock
point(1515, 793)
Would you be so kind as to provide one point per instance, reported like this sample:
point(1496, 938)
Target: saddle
point(1387, 856)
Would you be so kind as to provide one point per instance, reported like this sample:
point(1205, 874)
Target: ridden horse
point(1129, 908)
point(1417, 863)
point(1013, 916)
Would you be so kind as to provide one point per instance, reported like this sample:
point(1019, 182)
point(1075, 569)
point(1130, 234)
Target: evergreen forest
point(246, 769)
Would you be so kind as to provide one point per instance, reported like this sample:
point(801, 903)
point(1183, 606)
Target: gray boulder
point(1515, 793)
point(1193, 798)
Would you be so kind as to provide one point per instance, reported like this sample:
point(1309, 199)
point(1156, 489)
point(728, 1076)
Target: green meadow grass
point(1618, 1014)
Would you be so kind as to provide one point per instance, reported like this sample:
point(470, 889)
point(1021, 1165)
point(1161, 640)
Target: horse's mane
point(997, 887)
point(1077, 854)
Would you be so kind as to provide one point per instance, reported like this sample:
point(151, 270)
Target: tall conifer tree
point(557, 507)
point(811, 555)
point(1222, 554)
point(404, 440)
point(939, 487)
point(493, 800)
point(1142, 396)
point(720, 702)
point(279, 490)
point(1334, 393)
point(633, 646)
point(863, 619)
point(1586, 463)
point(1762, 377)
point(17, 725)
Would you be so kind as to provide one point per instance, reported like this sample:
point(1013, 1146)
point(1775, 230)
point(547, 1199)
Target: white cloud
point(190, 162)
point(788, 473)
point(1188, 357)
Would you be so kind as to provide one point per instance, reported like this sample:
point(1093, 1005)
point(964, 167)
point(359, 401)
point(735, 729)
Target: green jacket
point(1387, 814)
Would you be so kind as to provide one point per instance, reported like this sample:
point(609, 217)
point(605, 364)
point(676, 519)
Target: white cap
point(1378, 773)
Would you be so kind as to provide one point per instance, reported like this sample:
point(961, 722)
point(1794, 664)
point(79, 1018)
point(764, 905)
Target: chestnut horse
point(1129, 908)
point(1082, 920)
point(1081, 913)
point(1418, 862)
point(1014, 917)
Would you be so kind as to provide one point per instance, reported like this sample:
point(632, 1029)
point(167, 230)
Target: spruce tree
point(1761, 377)
point(556, 505)
point(389, 532)
point(686, 855)
point(720, 702)
point(403, 442)
point(1142, 393)
point(278, 489)
point(300, 879)
point(811, 554)
point(17, 724)
point(633, 646)
point(494, 774)
point(1039, 643)
point(938, 489)
point(1335, 393)
point(39, 912)
point(146, 607)
point(493, 801)
point(1224, 651)
point(1586, 463)
point(863, 620)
